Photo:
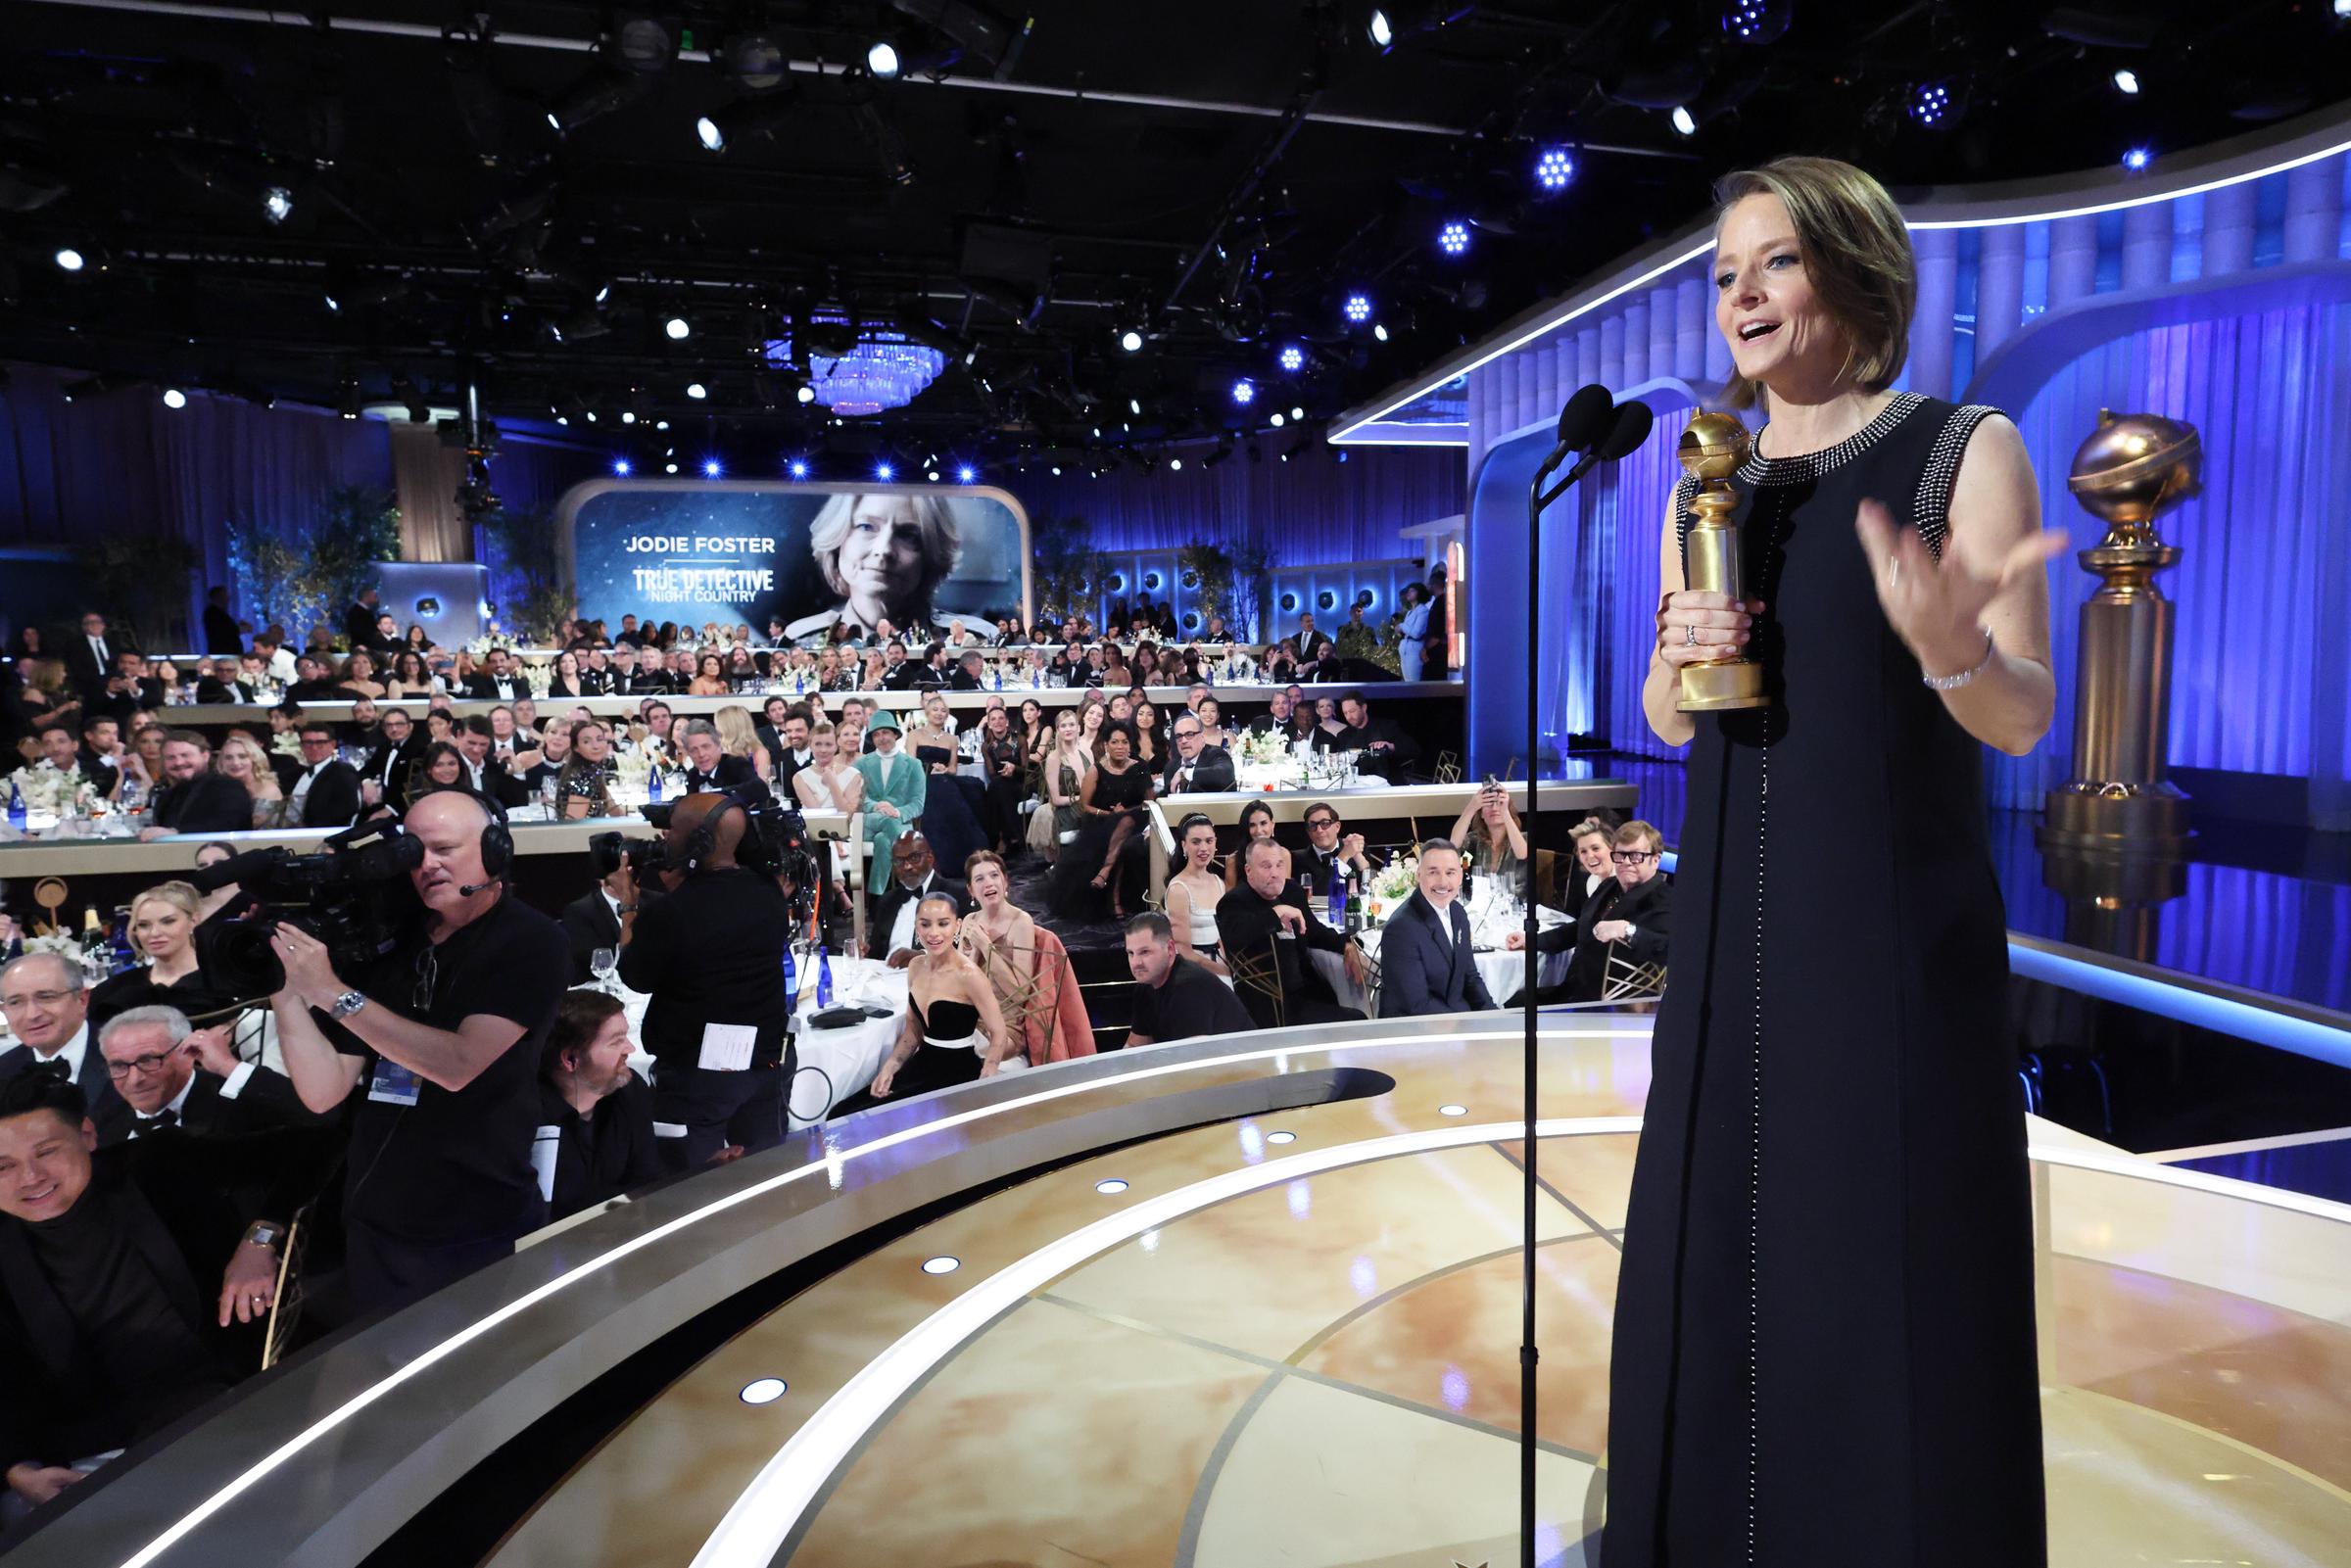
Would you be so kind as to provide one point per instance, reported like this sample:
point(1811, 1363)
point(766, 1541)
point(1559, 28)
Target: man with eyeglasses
point(1330, 848)
point(175, 1078)
point(49, 1012)
point(1195, 767)
point(327, 793)
point(1631, 918)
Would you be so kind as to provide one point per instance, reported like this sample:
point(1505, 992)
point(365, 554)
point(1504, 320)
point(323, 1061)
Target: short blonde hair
point(1638, 832)
point(1856, 253)
point(738, 737)
point(934, 521)
point(180, 895)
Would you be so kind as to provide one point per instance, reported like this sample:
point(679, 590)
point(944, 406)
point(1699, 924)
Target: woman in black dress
point(1824, 1347)
point(953, 1031)
point(1101, 873)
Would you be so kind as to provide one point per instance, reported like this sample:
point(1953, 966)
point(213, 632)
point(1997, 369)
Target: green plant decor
point(523, 545)
point(305, 581)
point(145, 586)
point(1207, 570)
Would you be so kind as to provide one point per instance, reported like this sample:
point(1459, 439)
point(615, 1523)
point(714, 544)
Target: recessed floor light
point(942, 1265)
point(1282, 1137)
point(1453, 1111)
point(763, 1391)
point(1114, 1184)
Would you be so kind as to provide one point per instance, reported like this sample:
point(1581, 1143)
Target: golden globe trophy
point(2129, 472)
point(1712, 447)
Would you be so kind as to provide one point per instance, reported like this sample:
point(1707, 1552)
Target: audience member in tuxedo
point(596, 672)
point(1329, 849)
point(176, 1077)
point(399, 745)
point(100, 754)
point(54, 744)
point(1260, 924)
point(90, 658)
point(503, 741)
point(914, 876)
point(220, 633)
point(898, 672)
point(485, 774)
point(1425, 961)
point(1302, 728)
point(601, 1113)
point(970, 672)
point(135, 1280)
point(592, 919)
point(786, 736)
point(359, 621)
point(1388, 750)
point(1174, 1000)
point(1632, 919)
point(48, 1011)
point(1194, 767)
point(710, 770)
point(1275, 720)
point(194, 798)
point(227, 681)
point(660, 737)
point(499, 682)
point(127, 690)
point(326, 793)
point(315, 681)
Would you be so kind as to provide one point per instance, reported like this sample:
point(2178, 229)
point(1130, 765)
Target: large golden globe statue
point(2132, 469)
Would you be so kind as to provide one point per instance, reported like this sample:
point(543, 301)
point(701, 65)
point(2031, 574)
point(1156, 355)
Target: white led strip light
point(833, 1160)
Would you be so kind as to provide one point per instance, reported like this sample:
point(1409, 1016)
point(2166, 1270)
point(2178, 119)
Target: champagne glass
point(602, 964)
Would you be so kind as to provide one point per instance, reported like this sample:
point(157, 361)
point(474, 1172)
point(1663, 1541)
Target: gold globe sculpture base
point(1712, 447)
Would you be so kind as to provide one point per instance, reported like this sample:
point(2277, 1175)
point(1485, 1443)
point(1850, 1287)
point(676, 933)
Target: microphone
point(1629, 427)
point(1583, 421)
point(469, 889)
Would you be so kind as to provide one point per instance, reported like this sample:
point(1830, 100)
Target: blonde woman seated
point(738, 737)
point(242, 758)
point(953, 1031)
point(1192, 895)
point(1026, 965)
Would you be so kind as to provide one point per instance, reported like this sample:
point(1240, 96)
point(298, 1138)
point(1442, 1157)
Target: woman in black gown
point(1100, 875)
point(1824, 1347)
point(953, 1031)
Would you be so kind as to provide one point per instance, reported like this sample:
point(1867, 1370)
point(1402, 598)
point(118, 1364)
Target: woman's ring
point(1690, 636)
point(1893, 571)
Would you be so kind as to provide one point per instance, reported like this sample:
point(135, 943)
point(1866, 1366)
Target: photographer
point(446, 1041)
point(711, 956)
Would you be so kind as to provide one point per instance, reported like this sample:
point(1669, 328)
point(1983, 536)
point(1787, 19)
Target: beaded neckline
point(1761, 470)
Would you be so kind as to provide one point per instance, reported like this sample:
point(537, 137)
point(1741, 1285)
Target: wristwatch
point(347, 1003)
point(261, 1233)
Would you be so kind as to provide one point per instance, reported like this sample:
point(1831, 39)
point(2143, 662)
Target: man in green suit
point(895, 785)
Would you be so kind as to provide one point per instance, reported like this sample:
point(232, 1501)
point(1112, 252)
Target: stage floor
point(1268, 1350)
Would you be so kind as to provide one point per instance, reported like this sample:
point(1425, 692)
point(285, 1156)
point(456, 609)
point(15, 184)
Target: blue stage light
point(1453, 237)
point(1757, 21)
point(1292, 359)
point(1931, 103)
point(885, 472)
point(2137, 158)
point(1359, 307)
point(1555, 168)
point(710, 468)
point(1244, 392)
point(799, 468)
point(966, 474)
point(620, 466)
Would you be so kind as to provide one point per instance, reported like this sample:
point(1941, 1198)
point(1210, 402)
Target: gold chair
point(1449, 768)
point(1625, 980)
point(285, 1312)
point(1261, 975)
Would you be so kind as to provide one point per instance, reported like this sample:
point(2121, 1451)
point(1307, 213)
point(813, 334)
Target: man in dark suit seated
point(1631, 921)
point(1259, 925)
point(486, 775)
point(221, 635)
point(1425, 961)
point(194, 799)
point(127, 690)
point(601, 1113)
point(898, 672)
point(971, 672)
point(500, 682)
point(327, 789)
point(1388, 750)
point(592, 919)
point(153, 1057)
point(398, 746)
point(1193, 765)
point(135, 1281)
point(223, 681)
point(315, 681)
point(359, 622)
point(890, 908)
point(708, 767)
point(100, 754)
point(49, 1012)
point(1174, 998)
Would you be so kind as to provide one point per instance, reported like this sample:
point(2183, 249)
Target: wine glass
point(602, 964)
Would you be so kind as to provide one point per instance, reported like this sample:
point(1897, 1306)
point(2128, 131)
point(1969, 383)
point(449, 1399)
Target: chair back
point(285, 1310)
point(1625, 979)
point(1263, 975)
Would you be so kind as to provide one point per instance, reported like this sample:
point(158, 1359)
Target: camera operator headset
point(443, 1035)
point(711, 955)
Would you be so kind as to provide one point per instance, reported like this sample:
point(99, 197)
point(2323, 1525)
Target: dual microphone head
point(1594, 424)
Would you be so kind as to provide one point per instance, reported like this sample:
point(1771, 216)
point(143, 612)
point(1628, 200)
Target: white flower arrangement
point(64, 944)
point(1398, 879)
point(287, 743)
point(59, 791)
point(1264, 747)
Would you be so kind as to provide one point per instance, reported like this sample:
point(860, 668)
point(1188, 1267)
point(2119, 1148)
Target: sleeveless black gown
point(1824, 1350)
point(945, 1057)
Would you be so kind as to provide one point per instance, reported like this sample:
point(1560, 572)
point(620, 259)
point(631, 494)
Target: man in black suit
point(592, 919)
point(1632, 919)
point(623, 679)
point(90, 658)
point(99, 756)
point(890, 908)
point(1194, 767)
point(1425, 961)
point(1329, 849)
point(221, 635)
point(786, 736)
point(114, 1321)
point(1388, 751)
point(326, 793)
point(49, 1011)
point(898, 672)
point(398, 747)
point(502, 681)
point(127, 691)
point(708, 767)
point(226, 680)
point(1259, 923)
point(486, 775)
point(315, 681)
point(194, 799)
point(153, 1057)
point(971, 672)
point(359, 622)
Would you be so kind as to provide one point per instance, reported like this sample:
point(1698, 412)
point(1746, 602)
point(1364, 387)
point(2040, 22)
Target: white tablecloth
point(1491, 921)
point(848, 1058)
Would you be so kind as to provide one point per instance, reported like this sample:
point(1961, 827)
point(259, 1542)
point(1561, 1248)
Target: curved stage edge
point(1258, 1304)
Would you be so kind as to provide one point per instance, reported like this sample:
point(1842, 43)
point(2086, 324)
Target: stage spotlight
point(710, 134)
point(69, 260)
point(2126, 82)
point(591, 415)
point(1297, 413)
point(1244, 392)
point(1134, 406)
point(277, 204)
point(754, 62)
point(1757, 21)
point(620, 466)
point(1931, 103)
point(885, 472)
point(676, 328)
point(1379, 331)
point(1683, 121)
point(696, 391)
point(334, 307)
point(1453, 238)
point(1382, 29)
point(966, 474)
point(1174, 465)
point(806, 394)
point(628, 416)
point(1292, 357)
point(1555, 168)
point(2137, 158)
point(764, 1391)
point(881, 59)
point(1131, 339)
point(799, 468)
point(1276, 420)
point(1358, 309)
point(669, 468)
point(173, 398)
point(711, 468)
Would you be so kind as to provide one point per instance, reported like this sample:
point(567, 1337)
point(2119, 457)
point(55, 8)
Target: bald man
point(712, 957)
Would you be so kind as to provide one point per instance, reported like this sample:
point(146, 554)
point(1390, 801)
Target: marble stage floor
point(1293, 1341)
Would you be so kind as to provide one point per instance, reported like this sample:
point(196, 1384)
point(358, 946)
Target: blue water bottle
point(1338, 898)
point(792, 976)
point(16, 807)
point(653, 783)
point(823, 977)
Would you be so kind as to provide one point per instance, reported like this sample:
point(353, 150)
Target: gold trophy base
point(2141, 819)
point(1726, 684)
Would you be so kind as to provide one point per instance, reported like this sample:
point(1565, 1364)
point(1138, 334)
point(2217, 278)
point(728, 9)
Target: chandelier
point(885, 371)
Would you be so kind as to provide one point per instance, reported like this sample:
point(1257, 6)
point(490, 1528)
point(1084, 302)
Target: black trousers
point(385, 1271)
point(697, 1111)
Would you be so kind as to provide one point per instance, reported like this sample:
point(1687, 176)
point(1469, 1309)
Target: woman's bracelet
point(1952, 683)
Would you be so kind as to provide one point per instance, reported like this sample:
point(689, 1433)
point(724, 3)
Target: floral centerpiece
point(1264, 747)
point(1397, 880)
point(631, 769)
point(44, 787)
point(287, 743)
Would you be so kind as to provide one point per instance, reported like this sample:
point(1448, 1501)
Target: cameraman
point(712, 957)
point(446, 1041)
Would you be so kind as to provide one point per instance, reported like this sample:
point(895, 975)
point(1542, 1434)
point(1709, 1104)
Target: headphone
point(701, 843)
point(497, 839)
